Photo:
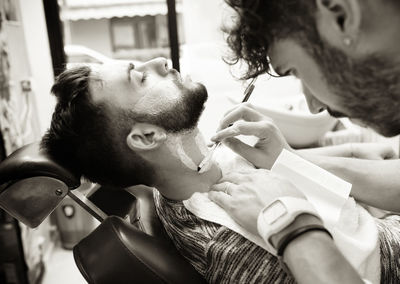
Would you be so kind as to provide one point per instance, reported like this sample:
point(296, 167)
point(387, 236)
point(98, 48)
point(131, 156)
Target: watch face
point(274, 212)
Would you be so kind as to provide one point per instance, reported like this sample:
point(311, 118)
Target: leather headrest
point(31, 161)
point(32, 184)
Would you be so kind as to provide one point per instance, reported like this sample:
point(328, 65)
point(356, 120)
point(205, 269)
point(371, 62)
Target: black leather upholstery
point(31, 161)
point(31, 186)
point(118, 252)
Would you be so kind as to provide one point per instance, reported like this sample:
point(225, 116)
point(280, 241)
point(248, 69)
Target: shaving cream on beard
point(174, 144)
point(199, 139)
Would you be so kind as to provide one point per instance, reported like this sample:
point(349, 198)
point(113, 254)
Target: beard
point(368, 88)
point(183, 115)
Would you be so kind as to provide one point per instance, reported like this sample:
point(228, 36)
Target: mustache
point(335, 113)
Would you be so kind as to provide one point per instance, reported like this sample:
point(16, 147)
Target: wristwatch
point(279, 214)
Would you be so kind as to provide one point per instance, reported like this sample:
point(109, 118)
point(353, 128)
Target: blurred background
point(40, 38)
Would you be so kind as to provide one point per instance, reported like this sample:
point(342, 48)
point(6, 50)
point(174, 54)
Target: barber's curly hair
point(87, 139)
point(258, 23)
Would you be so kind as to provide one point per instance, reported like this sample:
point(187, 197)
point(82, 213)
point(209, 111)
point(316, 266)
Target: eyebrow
point(128, 71)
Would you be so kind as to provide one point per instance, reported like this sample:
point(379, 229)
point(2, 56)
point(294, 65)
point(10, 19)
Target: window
point(134, 33)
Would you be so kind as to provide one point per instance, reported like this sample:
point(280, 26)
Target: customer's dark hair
point(258, 23)
point(86, 138)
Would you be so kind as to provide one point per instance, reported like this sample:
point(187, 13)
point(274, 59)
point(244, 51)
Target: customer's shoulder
point(173, 212)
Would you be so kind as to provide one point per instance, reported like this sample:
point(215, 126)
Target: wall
point(28, 110)
point(87, 33)
point(38, 54)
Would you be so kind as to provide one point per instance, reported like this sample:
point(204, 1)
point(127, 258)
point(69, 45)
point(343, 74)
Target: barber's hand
point(245, 120)
point(372, 151)
point(243, 195)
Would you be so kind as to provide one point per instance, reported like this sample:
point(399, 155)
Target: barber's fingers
point(261, 129)
point(229, 183)
point(223, 186)
point(390, 154)
point(244, 111)
point(246, 151)
point(236, 179)
point(222, 199)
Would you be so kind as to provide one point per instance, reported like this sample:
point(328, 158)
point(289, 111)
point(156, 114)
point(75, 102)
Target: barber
point(299, 239)
point(347, 56)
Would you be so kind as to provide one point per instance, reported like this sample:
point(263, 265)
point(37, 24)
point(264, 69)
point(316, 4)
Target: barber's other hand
point(243, 195)
point(372, 151)
point(245, 120)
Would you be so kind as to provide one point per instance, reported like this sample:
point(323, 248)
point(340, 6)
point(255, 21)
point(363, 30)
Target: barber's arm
point(375, 182)
point(302, 243)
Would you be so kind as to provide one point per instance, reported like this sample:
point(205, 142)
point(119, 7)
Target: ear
point(339, 21)
point(144, 137)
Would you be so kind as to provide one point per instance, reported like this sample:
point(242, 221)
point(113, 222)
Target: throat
point(179, 179)
point(180, 185)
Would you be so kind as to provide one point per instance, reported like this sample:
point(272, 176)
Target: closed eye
point(144, 76)
point(131, 66)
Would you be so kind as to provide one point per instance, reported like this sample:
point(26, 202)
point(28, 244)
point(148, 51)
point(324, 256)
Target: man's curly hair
point(258, 23)
point(359, 84)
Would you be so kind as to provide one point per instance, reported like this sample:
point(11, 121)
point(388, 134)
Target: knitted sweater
point(223, 256)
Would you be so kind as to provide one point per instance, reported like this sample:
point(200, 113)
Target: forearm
point(375, 182)
point(314, 258)
point(342, 150)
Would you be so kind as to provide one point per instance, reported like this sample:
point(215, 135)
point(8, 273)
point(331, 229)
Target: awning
point(74, 10)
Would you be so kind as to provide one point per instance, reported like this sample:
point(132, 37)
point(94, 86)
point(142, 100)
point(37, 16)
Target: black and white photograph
point(199, 141)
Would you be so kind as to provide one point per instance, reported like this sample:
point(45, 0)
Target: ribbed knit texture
point(389, 237)
point(223, 256)
point(217, 253)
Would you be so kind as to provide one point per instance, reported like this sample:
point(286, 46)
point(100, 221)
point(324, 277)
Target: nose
point(314, 105)
point(157, 65)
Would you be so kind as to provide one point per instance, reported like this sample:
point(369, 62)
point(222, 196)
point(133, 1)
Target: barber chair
point(129, 246)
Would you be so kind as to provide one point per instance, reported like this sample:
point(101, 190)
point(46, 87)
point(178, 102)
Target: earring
point(347, 41)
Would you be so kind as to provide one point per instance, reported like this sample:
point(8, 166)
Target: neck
point(177, 176)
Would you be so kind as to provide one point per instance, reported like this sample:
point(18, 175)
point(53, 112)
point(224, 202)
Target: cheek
point(159, 98)
point(316, 91)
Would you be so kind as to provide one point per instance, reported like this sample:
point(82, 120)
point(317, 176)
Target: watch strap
point(279, 214)
point(283, 242)
point(292, 235)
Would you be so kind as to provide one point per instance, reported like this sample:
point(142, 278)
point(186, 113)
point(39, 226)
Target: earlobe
point(145, 137)
point(339, 20)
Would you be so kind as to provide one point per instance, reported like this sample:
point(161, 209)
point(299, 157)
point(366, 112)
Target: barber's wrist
point(306, 242)
point(300, 221)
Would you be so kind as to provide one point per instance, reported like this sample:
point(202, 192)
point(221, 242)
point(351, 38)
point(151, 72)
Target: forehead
point(288, 54)
point(107, 71)
point(280, 52)
point(106, 80)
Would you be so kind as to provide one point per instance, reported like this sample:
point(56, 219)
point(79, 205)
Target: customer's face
point(366, 90)
point(151, 92)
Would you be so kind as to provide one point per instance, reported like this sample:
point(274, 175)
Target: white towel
point(355, 232)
